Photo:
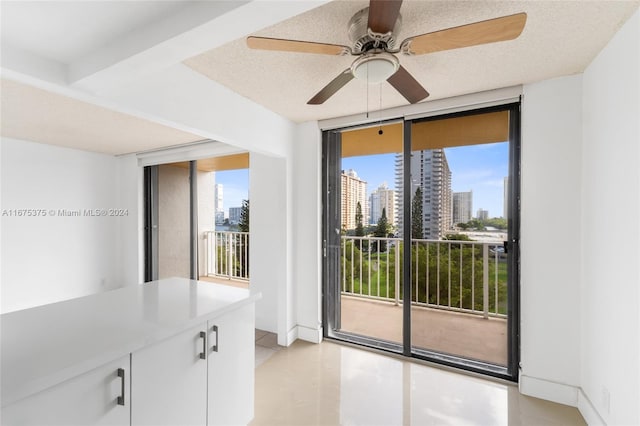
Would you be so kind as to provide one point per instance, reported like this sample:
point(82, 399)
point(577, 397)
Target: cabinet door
point(232, 367)
point(89, 399)
point(169, 381)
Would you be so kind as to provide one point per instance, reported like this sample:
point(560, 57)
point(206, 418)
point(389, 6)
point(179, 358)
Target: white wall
point(130, 247)
point(550, 238)
point(53, 258)
point(580, 209)
point(307, 230)
point(268, 251)
point(610, 295)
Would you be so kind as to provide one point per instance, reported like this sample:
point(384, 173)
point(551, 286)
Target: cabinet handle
point(214, 348)
point(121, 397)
point(203, 354)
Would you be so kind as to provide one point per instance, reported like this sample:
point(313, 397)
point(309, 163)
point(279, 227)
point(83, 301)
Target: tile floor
point(333, 384)
point(266, 346)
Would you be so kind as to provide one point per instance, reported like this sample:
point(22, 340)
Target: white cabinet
point(89, 399)
point(169, 381)
point(175, 382)
point(231, 367)
point(59, 363)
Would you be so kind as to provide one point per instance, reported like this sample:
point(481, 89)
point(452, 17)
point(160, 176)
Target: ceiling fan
point(373, 32)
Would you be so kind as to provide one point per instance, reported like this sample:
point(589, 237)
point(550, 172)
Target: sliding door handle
point(203, 336)
point(122, 385)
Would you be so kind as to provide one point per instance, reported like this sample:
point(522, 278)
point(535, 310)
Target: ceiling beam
point(195, 30)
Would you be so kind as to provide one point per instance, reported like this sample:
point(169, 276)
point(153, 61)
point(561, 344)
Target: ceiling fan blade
point(408, 86)
point(265, 43)
point(490, 31)
point(330, 89)
point(383, 15)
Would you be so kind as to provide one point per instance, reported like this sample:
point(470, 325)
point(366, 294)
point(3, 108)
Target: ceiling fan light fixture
point(375, 68)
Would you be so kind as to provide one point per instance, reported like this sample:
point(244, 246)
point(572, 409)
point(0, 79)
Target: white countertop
point(46, 345)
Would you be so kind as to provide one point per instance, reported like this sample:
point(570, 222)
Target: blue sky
point(480, 168)
point(235, 187)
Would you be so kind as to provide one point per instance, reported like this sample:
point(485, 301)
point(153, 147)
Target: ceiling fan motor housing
point(364, 40)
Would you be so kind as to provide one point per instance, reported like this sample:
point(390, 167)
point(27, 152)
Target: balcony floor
point(460, 334)
point(225, 281)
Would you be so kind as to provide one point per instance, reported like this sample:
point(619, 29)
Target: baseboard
point(289, 338)
point(309, 334)
point(588, 411)
point(548, 390)
point(301, 332)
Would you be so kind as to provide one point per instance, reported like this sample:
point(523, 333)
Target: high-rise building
point(381, 199)
point(482, 214)
point(430, 172)
point(462, 202)
point(235, 214)
point(353, 191)
point(219, 204)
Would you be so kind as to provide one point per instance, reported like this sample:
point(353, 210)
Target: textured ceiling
point(559, 38)
point(34, 114)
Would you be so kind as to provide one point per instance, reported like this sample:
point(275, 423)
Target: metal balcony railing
point(462, 276)
point(227, 254)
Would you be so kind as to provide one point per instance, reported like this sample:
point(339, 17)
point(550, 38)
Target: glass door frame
point(331, 159)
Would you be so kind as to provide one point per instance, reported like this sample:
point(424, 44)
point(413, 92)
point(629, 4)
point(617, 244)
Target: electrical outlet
point(606, 400)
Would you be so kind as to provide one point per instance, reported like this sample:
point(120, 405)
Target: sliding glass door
point(188, 232)
point(370, 258)
point(425, 211)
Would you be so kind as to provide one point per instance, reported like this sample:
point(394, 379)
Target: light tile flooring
point(266, 346)
point(333, 384)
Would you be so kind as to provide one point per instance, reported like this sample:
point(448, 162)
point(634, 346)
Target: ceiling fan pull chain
point(380, 111)
point(367, 92)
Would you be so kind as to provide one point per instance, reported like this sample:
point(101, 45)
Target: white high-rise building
point(462, 207)
point(430, 172)
point(353, 191)
point(482, 214)
point(219, 204)
point(381, 199)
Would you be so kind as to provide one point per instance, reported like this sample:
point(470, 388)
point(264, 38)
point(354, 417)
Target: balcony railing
point(462, 276)
point(227, 254)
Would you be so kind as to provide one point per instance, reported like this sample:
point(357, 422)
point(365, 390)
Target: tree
point(359, 226)
point(496, 222)
point(416, 215)
point(242, 253)
point(457, 237)
point(476, 224)
point(382, 230)
point(244, 217)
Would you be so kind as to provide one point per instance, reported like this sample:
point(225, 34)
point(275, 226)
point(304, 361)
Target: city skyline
point(477, 168)
point(235, 185)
